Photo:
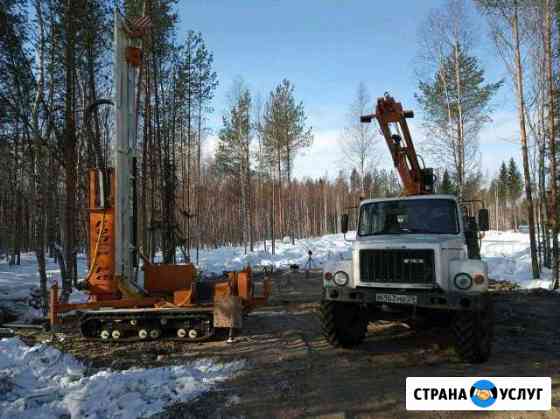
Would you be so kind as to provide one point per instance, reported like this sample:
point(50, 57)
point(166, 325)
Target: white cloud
point(504, 129)
point(322, 158)
point(210, 145)
point(499, 141)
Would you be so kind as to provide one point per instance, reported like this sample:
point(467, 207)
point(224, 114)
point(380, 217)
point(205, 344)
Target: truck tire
point(474, 333)
point(343, 324)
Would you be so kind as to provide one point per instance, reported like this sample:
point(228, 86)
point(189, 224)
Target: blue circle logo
point(483, 393)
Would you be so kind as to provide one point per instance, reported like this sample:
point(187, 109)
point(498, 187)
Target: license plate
point(396, 299)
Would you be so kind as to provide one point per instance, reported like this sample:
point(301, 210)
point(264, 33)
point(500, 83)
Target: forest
point(56, 58)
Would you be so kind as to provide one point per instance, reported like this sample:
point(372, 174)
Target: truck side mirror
point(344, 223)
point(483, 219)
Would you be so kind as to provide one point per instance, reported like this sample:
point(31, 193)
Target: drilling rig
point(173, 302)
point(415, 259)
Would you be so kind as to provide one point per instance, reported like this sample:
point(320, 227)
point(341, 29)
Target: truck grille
point(397, 266)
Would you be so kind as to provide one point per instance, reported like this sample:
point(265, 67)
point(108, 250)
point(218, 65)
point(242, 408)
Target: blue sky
point(326, 47)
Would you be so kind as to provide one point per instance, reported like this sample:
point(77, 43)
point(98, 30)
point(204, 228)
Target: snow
point(234, 258)
point(42, 382)
point(507, 254)
point(18, 282)
point(509, 259)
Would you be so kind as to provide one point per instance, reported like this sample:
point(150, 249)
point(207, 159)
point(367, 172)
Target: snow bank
point(234, 258)
point(42, 382)
point(19, 282)
point(509, 258)
point(507, 254)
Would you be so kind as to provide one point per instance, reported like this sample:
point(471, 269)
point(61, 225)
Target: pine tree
point(515, 182)
point(233, 153)
point(446, 186)
point(456, 103)
point(188, 75)
point(206, 82)
point(15, 101)
point(504, 183)
point(285, 132)
point(234, 135)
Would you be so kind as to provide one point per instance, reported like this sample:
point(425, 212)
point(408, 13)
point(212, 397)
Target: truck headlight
point(463, 281)
point(478, 279)
point(340, 278)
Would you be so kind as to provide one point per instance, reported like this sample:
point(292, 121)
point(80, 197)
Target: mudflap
point(228, 312)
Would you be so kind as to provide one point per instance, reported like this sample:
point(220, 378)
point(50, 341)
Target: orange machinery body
point(416, 180)
point(101, 276)
point(171, 293)
point(102, 284)
point(165, 285)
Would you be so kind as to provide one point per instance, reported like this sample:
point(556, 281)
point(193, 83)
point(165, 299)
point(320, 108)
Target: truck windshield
point(414, 216)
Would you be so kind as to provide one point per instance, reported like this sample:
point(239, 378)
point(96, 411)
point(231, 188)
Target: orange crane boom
point(416, 180)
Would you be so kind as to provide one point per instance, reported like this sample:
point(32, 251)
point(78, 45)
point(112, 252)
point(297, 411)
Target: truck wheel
point(343, 324)
point(474, 333)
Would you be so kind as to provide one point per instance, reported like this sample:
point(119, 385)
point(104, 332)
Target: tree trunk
point(198, 172)
point(523, 133)
point(460, 130)
point(272, 216)
point(40, 187)
point(69, 154)
point(550, 84)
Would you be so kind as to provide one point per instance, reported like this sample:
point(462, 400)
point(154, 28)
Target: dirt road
point(293, 373)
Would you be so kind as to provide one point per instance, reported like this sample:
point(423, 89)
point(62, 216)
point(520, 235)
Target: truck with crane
point(415, 259)
point(129, 300)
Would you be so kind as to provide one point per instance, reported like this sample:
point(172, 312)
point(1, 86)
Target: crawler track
point(126, 325)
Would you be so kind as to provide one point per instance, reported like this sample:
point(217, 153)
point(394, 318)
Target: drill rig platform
point(128, 300)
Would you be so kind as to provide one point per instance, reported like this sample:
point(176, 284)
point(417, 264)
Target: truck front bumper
point(435, 299)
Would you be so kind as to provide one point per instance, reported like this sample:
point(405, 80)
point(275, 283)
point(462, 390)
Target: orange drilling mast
point(416, 180)
point(128, 300)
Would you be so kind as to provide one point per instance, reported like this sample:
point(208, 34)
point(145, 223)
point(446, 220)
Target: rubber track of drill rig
point(125, 325)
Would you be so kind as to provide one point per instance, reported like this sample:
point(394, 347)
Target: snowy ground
point(42, 382)
point(507, 254)
point(18, 282)
point(286, 254)
point(509, 259)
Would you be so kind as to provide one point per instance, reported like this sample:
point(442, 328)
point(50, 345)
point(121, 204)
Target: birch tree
point(551, 89)
point(504, 17)
point(358, 140)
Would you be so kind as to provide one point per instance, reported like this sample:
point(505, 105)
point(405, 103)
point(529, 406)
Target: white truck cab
point(413, 257)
